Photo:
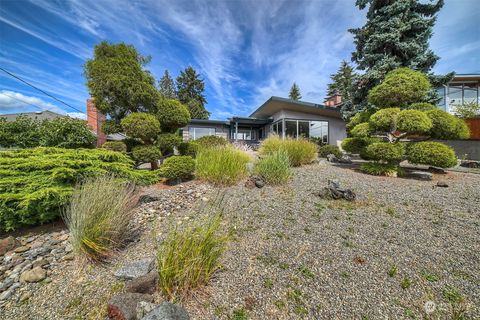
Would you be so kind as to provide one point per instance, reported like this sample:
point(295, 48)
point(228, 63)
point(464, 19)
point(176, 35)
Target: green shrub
point(325, 150)
point(211, 141)
point(362, 130)
point(131, 143)
point(177, 167)
point(36, 183)
point(141, 125)
point(422, 106)
point(446, 126)
point(172, 114)
point(167, 141)
point(189, 148)
point(115, 146)
point(467, 110)
point(384, 151)
point(432, 153)
point(356, 145)
point(188, 258)
point(299, 151)
point(222, 165)
point(384, 119)
point(381, 169)
point(111, 127)
point(359, 117)
point(413, 121)
point(274, 168)
point(145, 154)
point(98, 216)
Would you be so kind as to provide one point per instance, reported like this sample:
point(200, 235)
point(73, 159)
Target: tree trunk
point(154, 165)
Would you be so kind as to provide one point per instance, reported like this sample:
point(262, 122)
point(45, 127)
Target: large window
point(291, 128)
point(244, 134)
point(303, 129)
point(198, 132)
point(319, 129)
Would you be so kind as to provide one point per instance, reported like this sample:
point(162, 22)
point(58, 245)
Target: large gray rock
point(124, 306)
point(167, 311)
point(143, 284)
point(135, 269)
point(34, 275)
point(420, 175)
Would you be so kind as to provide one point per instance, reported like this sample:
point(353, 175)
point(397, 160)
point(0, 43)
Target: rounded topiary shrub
point(422, 106)
point(384, 119)
point(447, 126)
point(143, 154)
point(384, 151)
point(141, 125)
point(432, 153)
point(413, 121)
point(167, 141)
point(327, 149)
point(211, 141)
point(362, 130)
point(177, 167)
point(115, 146)
point(189, 148)
point(172, 114)
point(356, 145)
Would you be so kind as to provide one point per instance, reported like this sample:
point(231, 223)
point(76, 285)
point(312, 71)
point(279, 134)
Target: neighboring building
point(334, 101)
point(462, 88)
point(37, 115)
point(285, 117)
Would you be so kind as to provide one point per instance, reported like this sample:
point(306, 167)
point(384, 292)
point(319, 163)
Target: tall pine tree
point(190, 92)
point(342, 82)
point(167, 86)
point(295, 92)
point(396, 35)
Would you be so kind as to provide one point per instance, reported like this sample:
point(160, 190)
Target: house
point(463, 88)
point(37, 115)
point(284, 117)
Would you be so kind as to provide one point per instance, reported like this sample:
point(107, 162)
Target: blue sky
point(246, 50)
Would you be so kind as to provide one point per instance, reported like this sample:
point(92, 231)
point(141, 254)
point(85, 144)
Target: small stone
point(442, 184)
point(21, 249)
point(40, 262)
point(5, 284)
point(63, 237)
point(34, 275)
point(143, 308)
point(37, 244)
point(167, 311)
point(143, 284)
point(25, 296)
point(33, 253)
point(68, 248)
point(259, 183)
point(7, 244)
point(124, 306)
point(6, 295)
point(69, 257)
point(204, 199)
point(250, 184)
point(135, 269)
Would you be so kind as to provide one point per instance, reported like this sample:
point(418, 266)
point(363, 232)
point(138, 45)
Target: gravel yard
point(401, 244)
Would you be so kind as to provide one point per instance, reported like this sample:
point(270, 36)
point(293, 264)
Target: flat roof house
point(463, 88)
point(284, 117)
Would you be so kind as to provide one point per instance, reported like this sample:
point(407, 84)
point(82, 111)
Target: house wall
point(220, 130)
point(464, 149)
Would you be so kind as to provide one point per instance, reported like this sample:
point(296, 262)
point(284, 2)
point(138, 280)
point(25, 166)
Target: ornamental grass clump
point(275, 168)
point(99, 215)
point(188, 258)
point(222, 165)
point(299, 151)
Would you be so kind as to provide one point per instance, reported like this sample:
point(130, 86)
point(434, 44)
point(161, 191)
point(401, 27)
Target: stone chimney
point(94, 120)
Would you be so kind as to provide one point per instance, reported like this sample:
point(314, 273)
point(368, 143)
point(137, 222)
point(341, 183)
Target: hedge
point(384, 151)
point(432, 153)
point(177, 167)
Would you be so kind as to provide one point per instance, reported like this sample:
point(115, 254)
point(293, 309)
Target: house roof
point(466, 77)
point(38, 115)
point(275, 104)
point(206, 121)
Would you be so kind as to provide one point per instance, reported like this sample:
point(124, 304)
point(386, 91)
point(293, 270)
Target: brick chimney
point(334, 100)
point(94, 120)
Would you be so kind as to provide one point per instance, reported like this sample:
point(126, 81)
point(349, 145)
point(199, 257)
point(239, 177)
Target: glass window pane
point(469, 92)
point(454, 94)
point(303, 129)
point(291, 128)
point(441, 95)
point(196, 133)
point(319, 129)
point(280, 128)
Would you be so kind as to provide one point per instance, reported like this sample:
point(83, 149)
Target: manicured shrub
point(362, 130)
point(358, 118)
point(384, 151)
point(222, 165)
point(413, 121)
point(141, 125)
point(432, 153)
point(145, 154)
point(400, 88)
point(422, 106)
point(325, 150)
point(131, 143)
point(36, 183)
point(177, 167)
point(381, 169)
point(167, 141)
point(274, 168)
point(299, 151)
point(111, 127)
point(172, 114)
point(211, 141)
point(384, 119)
point(188, 258)
point(115, 146)
point(447, 126)
point(189, 148)
point(98, 216)
point(356, 145)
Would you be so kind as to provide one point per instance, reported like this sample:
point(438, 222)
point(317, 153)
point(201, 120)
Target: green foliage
point(36, 183)
point(167, 141)
point(166, 87)
point(117, 79)
point(362, 130)
point(342, 82)
point(146, 154)
point(111, 126)
point(447, 126)
point(413, 121)
point(141, 125)
point(295, 92)
point(384, 151)
point(467, 110)
point(422, 106)
point(98, 216)
point(327, 149)
point(384, 119)
point(401, 87)
point(274, 168)
point(177, 167)
point(22, 133)
point(188, 258)
point(432, 153)
point(189, 148)
point(356, 145)
point(190, 90)
point(299, 151)
point(380, 169)
point(131, 143)
point(172, 115)
point(115, 146)
point(222, 165)
point(211, 141)
point(358, 118)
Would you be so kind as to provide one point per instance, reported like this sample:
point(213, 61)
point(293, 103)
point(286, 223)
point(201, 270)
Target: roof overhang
point(466, 77)
point(250, 121)
point(205, 121)
point(276, 104)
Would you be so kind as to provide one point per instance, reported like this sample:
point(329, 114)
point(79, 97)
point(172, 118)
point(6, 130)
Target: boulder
point(143, 284)
point(8, 244)
point(34, 275)
point(135, 269)
point(143, 308)
point(332, 158)
point(345, 160)
point(124, 306)
point(420, 175)
point(437, 170)
point(167, 311)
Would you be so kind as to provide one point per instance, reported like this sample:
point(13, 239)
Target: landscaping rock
point(333, 191)
point(21, 249)
point(8, 244)
point(470, 164)
point(34, 275)
point(40, 263)
point(143, 284)
point(147, 199)
point(332, 158)
point(437, 170)
point(259, 183)
point(135, 269)
point(250, 184)
point(124, 306)
point(4, 285)
point(167, 311)
point(442, 184)
point(421, 175)
point(144, 308)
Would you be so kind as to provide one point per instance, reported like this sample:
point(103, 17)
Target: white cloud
point(78, 115)
point(11, 101)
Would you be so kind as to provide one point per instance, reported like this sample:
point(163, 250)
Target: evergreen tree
point(342, 82)
point(167, 87)
point(295, 92)
point(396, 35)
point(190, 93)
